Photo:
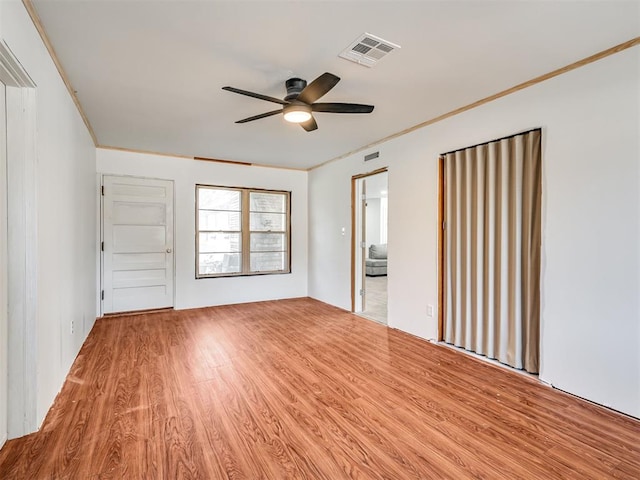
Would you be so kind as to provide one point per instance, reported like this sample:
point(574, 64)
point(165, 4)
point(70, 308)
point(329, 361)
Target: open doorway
point(369, 253)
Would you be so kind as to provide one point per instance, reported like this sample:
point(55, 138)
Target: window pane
point(212, 263)
point(265, 222)
point(267, 261)
point(267, 242)
point(224, 213)
point(218, 199)
point(267, 202)
point(213, 220)
point(220, 242)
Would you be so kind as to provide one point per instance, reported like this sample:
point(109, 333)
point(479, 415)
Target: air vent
point(368, 49)
point(371, 156)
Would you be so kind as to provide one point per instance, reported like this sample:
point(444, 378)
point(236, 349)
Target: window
point(241, 231)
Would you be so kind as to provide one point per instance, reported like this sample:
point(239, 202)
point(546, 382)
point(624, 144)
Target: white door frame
point(21, 243)
point(4, 289)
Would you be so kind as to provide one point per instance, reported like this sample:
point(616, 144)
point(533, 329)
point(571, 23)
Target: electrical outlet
point(430, 310)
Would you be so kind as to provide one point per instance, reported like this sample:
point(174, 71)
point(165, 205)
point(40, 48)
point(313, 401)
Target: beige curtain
point(492, 249)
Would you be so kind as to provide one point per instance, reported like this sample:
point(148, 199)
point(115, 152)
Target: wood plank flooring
point(296, 389)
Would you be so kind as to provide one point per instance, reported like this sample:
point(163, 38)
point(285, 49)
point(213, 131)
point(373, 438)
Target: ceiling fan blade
point(318, 87)
point(341, 108)
point(258, 117)
point(310, 125)
point(255, 95)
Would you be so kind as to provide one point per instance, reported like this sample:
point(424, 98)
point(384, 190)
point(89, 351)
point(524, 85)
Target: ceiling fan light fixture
point(297, 113)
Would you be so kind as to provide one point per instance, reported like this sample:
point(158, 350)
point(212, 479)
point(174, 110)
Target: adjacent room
point(319, 239)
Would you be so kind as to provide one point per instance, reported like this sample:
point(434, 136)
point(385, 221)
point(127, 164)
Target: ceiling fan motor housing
point(294, 87)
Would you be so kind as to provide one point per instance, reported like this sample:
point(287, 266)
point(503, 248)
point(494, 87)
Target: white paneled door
point(138, 244)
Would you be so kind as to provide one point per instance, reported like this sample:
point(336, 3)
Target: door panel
point(128, 213)
point(138, 244)
point(139, 238)
point(140, 260)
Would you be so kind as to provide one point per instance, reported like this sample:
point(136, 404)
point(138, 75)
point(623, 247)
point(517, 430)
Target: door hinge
point(364, 196)
point(102, 246)
point(361, 292)
point(102, 190)
point(444, 225)
point(363, 244)
point(102, 295)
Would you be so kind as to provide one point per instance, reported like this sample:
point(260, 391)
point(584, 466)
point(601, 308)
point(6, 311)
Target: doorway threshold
point(373, 317)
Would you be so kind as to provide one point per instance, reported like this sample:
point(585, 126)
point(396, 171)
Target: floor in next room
point(376, 298)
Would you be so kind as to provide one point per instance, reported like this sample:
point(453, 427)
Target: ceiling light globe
point(297, 114)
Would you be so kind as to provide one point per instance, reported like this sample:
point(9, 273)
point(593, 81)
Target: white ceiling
point(148, 74)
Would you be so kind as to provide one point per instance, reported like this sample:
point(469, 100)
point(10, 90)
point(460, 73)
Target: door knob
point(168, 250)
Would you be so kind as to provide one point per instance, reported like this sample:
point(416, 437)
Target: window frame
point(245, 231)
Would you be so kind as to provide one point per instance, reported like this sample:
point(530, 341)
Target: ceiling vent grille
point(368, 50)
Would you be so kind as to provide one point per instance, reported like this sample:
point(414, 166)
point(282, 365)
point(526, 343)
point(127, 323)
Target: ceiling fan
point(298, 105)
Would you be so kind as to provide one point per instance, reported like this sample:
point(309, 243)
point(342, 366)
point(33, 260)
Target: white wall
point(65, 180)
point(192, 292)
point(590, 343)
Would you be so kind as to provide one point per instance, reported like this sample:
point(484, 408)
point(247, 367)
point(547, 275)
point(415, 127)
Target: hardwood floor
point(300, 389)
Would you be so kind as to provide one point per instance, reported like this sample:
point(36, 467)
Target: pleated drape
point(492, 249)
